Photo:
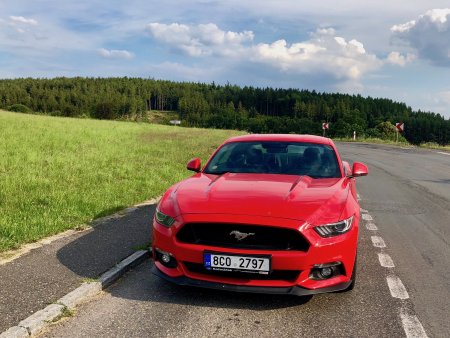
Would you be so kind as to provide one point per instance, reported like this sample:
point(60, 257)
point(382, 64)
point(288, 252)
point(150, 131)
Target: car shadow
point(142, 285)
point(109, 241)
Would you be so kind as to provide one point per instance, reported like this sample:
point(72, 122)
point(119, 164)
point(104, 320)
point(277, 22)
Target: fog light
point(165, 258)
point(326, 270)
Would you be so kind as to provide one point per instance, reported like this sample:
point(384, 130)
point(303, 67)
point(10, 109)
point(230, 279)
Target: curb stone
point(43, 318)
point(75, 297)
point(40, 319)
point(131, 261)
point(15, 332)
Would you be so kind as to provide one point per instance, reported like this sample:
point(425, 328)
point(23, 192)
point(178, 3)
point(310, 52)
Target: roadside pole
point(325, 126)
point(399, 127)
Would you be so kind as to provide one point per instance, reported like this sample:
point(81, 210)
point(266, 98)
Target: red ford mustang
point(268, 213)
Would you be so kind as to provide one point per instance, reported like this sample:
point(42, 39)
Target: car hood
point(282, 196)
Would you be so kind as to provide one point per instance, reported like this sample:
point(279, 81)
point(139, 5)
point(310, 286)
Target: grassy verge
point(374, 140)
point(58, 173)
point(429, 145)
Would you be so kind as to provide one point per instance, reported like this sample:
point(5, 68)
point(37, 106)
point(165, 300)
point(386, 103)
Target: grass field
point(59, 173)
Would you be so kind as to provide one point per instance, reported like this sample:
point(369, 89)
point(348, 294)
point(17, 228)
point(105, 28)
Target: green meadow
point(59, 173)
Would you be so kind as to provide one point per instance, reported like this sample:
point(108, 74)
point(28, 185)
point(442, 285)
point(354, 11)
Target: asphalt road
point(407, 196)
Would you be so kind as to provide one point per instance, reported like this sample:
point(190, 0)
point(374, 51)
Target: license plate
point(226, 262)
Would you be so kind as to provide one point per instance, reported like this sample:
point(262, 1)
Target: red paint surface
point(287, 201)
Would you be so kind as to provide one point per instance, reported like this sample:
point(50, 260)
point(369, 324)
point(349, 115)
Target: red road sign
point(400, 126)
point(325, 126)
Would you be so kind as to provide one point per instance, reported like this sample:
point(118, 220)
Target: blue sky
point(398, 49)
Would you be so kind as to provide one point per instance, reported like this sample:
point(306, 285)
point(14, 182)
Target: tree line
point(258, 110)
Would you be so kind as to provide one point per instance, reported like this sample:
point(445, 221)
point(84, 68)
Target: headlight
point(334, 229)
point(163, 219)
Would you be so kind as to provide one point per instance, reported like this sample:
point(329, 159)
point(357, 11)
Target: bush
point(19, 108)
point(386, 130)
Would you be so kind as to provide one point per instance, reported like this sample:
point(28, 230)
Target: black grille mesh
point(225, 235)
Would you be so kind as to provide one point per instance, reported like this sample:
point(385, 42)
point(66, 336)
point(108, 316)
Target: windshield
point(290, 158)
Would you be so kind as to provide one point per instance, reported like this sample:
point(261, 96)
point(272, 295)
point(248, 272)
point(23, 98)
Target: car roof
point(281, 138)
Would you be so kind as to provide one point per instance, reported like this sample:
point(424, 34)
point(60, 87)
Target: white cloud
point(18, 24)
point(323, 52)
point(21, 19)
point(115, 53)
point(429, 35)
point(399, 59)
point(26, 37)
point(200, 40)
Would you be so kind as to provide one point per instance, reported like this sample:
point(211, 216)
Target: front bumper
point(321, 251)
point(291, 290)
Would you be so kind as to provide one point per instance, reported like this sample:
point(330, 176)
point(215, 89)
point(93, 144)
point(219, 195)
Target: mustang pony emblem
point(241, 235)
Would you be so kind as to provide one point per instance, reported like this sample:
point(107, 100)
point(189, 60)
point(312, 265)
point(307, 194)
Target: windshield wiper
point(220, 173)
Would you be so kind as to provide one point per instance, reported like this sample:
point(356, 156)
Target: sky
point(398, 49)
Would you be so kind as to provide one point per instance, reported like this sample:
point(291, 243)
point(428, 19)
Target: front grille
point(224, 235)
point(286, 275)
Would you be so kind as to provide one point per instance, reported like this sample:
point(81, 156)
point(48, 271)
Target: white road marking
point(371, 226)
point(385, 260)
point(441, 152)
point(397, 288)
point(378, 242)
point(412, 326)
point(367, 217)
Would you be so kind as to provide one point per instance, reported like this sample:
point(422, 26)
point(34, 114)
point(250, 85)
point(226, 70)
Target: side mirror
point(194, 165)
point(359, 169)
